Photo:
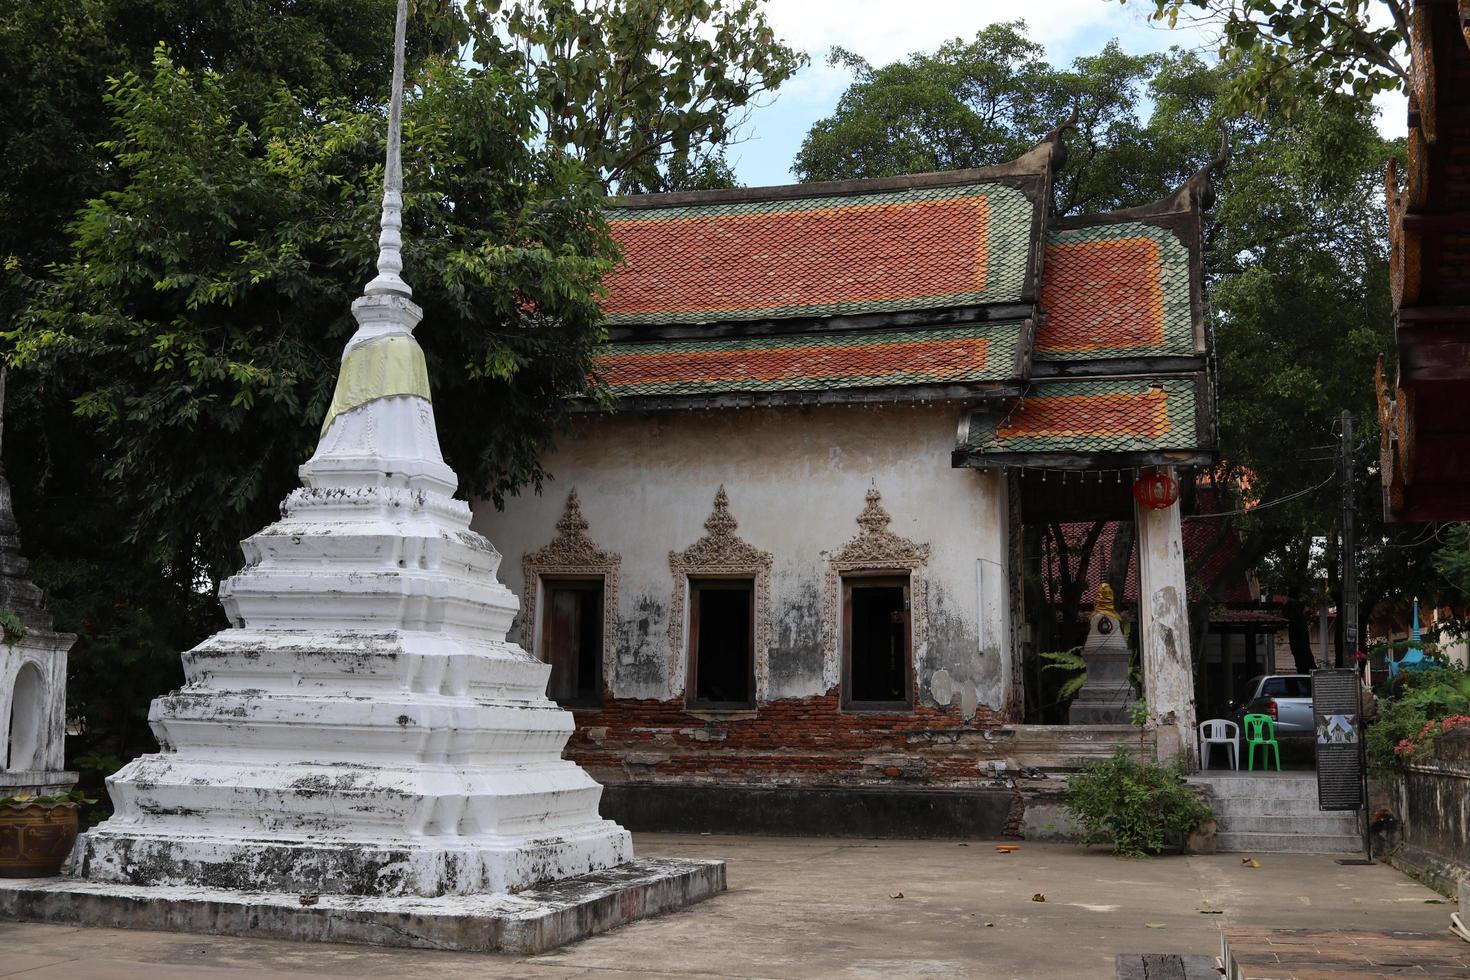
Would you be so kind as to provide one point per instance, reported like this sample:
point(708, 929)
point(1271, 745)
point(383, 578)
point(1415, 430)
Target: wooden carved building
point(791, 559)
point(1425, 451)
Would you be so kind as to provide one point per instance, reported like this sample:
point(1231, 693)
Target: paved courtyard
point(802, 907)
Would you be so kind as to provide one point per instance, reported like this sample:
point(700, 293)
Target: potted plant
point(37, 832)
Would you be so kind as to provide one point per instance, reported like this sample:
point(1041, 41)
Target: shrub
point(1134, 804)
point(1408, 724)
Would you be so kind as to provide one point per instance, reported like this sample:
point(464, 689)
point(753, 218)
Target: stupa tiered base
point(363, 756)
point(532, 921)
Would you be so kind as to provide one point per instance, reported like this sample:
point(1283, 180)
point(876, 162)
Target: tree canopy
point(648, 93)
point(1296, 49)
point(984, 101)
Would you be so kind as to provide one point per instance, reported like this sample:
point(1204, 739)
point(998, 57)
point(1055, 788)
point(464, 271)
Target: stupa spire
point(390, 235)
point(379, 428)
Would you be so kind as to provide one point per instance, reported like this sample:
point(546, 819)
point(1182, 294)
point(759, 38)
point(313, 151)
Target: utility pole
point(1348, 605)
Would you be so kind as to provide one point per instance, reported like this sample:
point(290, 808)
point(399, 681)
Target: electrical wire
point(1269, 503)
point(1432, 532)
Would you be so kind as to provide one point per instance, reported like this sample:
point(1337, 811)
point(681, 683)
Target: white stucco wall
point(796, 480)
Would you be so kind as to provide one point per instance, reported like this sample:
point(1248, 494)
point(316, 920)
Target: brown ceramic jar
point(35, 838)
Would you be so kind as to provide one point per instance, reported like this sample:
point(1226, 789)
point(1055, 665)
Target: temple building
point(792, 561)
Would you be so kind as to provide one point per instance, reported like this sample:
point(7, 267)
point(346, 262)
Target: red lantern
point(1157, 490)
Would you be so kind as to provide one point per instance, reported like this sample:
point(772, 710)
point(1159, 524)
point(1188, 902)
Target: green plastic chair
point(1261, 730)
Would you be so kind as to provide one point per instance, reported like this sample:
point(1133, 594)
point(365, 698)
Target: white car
point(1287, 698)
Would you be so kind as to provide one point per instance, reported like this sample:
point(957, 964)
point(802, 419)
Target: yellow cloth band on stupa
point(381, 368)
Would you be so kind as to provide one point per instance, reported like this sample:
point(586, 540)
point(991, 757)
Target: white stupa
point(363, 728)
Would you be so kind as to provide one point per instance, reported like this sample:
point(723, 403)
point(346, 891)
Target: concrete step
point(1254, 843)
point(1246, 787)
point(1317, 824)
point(1235, 806)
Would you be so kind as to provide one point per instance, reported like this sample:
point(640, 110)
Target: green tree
point(980, 102)
point(648, 93)
point(205, 305)
point(1296, 49)
point(57, 55)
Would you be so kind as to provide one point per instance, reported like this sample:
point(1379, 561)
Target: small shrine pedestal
point(1108, 694)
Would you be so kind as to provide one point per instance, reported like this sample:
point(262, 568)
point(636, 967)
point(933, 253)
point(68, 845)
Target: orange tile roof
point(955, 355)
point(1114, 290)
point(929, 248)
point(1095, 416)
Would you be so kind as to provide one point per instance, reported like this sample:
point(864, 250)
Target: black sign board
point(1336, 705)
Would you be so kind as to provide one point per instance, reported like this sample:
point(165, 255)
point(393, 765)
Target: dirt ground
point(805, 907)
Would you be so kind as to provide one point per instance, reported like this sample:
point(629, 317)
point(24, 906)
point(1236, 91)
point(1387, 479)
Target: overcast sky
point(883, 31)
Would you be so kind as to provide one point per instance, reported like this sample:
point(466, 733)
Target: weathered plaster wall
point(1431, 801)
point(1163, 617)
point(796, 480)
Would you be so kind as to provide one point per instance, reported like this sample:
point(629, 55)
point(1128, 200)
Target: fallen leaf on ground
point(1038, 897)
point(1208, 911)
point(990, 925)
point(1154, 925)
point(899, 895)
point(1251, 863)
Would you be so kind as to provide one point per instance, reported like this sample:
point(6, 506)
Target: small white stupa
point(364, 728)
point(362, 756)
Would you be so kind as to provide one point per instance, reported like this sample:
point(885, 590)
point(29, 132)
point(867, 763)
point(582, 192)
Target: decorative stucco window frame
point(875, 550)
point(721, 553)
point(573, 554)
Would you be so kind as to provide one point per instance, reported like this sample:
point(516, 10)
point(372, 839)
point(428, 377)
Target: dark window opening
point(721, 637)
point(876, 653)
point(571, 640)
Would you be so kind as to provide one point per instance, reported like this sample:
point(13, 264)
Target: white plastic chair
point(1218, 731)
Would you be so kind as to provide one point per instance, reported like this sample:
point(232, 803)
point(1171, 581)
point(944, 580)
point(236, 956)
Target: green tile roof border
point(1005, 348)
point(721, 209)
point(1175, 280)
point(1012, 219)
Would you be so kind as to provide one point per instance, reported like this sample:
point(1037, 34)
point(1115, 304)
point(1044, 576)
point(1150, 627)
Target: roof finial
point(390, 238)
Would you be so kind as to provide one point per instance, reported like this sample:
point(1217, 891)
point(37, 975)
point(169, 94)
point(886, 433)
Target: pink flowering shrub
point(1422, 706)
point(1420, 744)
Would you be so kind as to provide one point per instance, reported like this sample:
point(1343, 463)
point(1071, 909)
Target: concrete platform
point(532, 921)
point(825, 909)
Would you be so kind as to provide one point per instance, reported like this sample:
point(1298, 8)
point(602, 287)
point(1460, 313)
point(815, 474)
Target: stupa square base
point(532, 921)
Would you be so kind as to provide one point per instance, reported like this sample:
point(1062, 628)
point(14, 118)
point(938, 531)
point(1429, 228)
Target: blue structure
point(1414, 657)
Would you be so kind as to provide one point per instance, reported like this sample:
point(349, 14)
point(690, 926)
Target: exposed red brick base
point(788, 741)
